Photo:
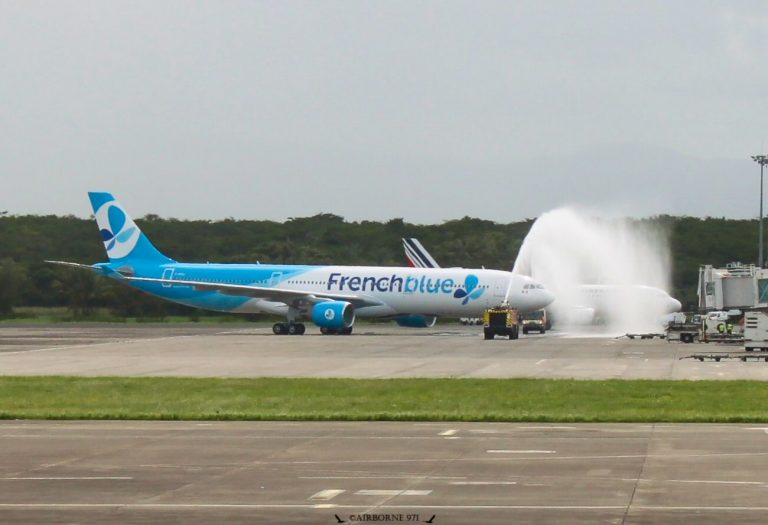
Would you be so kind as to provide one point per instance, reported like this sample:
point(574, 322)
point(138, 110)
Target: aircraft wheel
point(301, 328)
point(324, 330)
point(279, 328)
point(293, 329)
point(346, 331)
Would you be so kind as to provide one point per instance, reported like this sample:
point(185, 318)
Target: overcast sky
point(372, 110)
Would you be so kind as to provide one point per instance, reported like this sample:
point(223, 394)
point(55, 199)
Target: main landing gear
point(335, 331)
point(288, 329)
point(299, 329)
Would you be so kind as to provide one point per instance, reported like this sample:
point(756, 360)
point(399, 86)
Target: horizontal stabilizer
point(91, 267)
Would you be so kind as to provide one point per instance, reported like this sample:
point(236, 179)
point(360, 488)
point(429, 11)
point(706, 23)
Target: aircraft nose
point(542, 298)
point(548, 296)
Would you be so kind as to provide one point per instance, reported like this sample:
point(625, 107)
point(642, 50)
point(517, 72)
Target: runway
point(375, 472)
point(283, 472)
point(374, 351)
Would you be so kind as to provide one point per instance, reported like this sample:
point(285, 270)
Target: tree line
point(26, 241)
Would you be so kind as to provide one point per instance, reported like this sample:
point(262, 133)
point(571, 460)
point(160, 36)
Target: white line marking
point(382, 477)
point(713, 482)
point(547, 428)
point(63, 478)
point(327, 495)
point(448, 432)
point(483, 483)
point(393, 493)
point(540, 361)
point(312, 506)
point(521, 451)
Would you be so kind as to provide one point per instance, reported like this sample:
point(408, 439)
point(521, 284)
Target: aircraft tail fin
point(418, 256)
point(123, 240)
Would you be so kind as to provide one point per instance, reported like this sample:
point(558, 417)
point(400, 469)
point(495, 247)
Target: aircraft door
point(167, 274)
point(500, 287)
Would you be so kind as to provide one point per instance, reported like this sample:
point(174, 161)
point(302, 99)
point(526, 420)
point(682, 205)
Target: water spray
point(619, 264)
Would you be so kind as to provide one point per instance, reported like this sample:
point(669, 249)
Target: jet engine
point(580, 315)
point(335, 315)
point(416, 321)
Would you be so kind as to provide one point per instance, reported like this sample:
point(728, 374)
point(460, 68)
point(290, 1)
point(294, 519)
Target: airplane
point(582, 304)
point(331, 296)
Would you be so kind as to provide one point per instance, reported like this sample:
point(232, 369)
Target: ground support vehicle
point(741, 356)
point(756, 330)
point(723, 327)
point(649, 335)
point(686, 330)
point(535, 321)
point(501, 320)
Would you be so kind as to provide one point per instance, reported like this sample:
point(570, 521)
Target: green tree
point(12, 280)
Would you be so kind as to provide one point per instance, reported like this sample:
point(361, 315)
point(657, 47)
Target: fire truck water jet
point(617, 265)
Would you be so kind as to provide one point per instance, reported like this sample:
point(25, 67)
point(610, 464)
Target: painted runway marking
point(547, 428)
point(483, 483)
point(393, 493)
point(521, 451)
point(702, 481)
point(383, 477)
point(540, 361)
point(327, 495)
point(150, 506)
point(66, 478)
point(448, 433)
point(312, 506)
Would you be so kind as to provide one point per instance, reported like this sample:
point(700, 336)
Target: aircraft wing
point(280, 295)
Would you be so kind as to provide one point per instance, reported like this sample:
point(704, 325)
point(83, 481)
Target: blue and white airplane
point(331, 296)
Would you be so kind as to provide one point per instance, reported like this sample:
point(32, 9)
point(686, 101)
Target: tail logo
point(118, 231)
point(470, 290)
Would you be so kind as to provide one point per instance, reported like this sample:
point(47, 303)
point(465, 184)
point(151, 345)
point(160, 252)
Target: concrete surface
point(283, 472)
point(374, 351)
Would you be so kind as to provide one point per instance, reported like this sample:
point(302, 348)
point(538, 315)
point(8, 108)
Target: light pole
point(762, 160)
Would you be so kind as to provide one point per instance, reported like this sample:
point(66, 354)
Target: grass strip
point(540, 400)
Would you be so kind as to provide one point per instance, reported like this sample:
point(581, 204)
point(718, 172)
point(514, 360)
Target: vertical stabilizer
point(418, 256)
point(122, 239)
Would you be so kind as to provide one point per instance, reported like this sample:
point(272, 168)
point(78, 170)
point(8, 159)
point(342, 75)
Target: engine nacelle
point(416, 321)
point(581, 316)
point(333, 314)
